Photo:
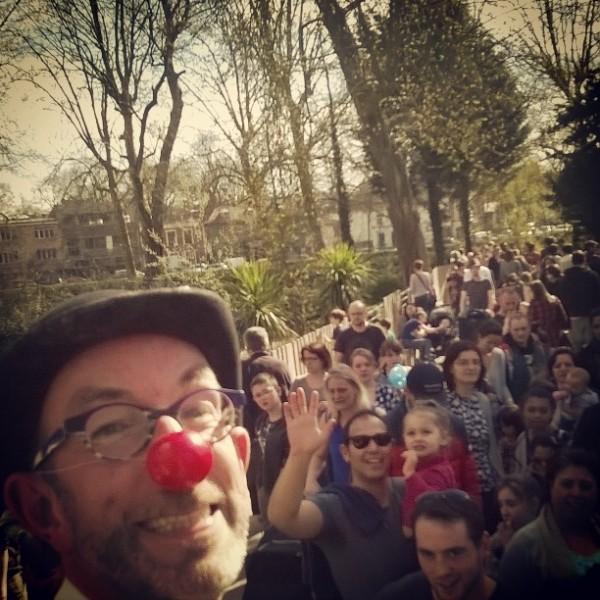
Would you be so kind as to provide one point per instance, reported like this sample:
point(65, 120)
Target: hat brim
point(198, 317)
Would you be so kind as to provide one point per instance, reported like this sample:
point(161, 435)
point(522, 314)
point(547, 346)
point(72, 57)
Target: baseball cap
point(426, 380)
point(28, 368)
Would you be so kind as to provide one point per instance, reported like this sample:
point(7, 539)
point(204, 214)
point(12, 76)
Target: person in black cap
point(425, 384)
point(120, 447)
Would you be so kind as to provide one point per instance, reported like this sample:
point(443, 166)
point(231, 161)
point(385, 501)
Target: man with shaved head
point(359, 335)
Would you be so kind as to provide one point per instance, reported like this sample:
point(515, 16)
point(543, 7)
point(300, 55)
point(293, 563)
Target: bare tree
point(108, 65)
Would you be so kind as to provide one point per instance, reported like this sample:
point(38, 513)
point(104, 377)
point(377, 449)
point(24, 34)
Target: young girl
point(510, 426)
point(519, 500)
point(270, 446)
point(423, 464)
point(538, 410)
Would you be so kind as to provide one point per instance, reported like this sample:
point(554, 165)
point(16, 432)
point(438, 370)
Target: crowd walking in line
point(455, 456)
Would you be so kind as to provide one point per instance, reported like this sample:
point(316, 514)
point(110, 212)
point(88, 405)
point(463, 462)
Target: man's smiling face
point(119, 533)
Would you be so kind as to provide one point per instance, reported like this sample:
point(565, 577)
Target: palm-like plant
point(341, 273)
point(256, 294)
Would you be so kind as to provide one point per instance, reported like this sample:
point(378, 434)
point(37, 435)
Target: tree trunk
point(343, 200)
point(434, 197)
point(464, 208)
point(376, 134)
point(302, 163)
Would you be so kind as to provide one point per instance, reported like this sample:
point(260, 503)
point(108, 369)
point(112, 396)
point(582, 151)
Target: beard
point(116, 559)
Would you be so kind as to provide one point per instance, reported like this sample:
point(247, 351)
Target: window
point(46, 253)
point(7, 257)
point(171, 239)
point(381, 239)
point(43, 233)
point(91, 243)
point(6, 234)
point(187, 236)
point(73, 248)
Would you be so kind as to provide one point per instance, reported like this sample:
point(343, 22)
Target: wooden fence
point(289, 353)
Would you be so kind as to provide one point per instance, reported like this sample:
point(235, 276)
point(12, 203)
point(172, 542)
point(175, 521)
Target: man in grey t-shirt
point(358, 525)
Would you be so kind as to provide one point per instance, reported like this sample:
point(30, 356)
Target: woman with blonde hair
point(345, 396)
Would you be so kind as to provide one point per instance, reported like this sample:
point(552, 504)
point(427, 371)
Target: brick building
point(30, 249)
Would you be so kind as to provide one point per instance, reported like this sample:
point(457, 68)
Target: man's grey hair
point(256, 339)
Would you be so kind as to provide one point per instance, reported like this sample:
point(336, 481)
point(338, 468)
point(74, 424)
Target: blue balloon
point(397, 376)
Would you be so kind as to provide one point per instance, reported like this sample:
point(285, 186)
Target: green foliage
point(256, 296)
point(576, 186)
point(341, 274)
point(521, 199)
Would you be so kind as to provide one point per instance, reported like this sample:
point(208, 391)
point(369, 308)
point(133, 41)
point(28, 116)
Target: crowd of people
point(456, 458)
point(500, 414)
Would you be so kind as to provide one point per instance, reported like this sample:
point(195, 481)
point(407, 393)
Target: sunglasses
point(362, 441)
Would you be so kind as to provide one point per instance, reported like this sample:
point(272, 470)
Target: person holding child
point(572, 399)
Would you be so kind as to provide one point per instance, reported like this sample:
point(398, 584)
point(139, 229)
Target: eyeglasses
point(362, 441)
point(119, 430)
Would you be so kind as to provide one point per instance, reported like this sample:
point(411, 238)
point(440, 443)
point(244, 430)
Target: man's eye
point(113, 428)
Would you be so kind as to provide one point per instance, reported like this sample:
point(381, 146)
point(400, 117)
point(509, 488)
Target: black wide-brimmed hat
point(28, 368)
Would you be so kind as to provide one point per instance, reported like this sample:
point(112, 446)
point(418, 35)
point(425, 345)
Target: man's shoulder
point(414, 586)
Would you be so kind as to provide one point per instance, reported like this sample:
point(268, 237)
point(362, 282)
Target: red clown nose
point(177, 463)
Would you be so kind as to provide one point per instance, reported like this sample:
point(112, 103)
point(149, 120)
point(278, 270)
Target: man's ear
point(345, 452)
point(35, 505)
point(241, 440)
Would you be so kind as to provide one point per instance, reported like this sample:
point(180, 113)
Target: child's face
point(537, 414)
point(510, 505)
point(541, 457)
point(364, 368)
point(423, 435)
point(509, 434)
point(266, 396)
point(389, 359)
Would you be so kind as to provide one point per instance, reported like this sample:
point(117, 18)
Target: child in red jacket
point(426, 433)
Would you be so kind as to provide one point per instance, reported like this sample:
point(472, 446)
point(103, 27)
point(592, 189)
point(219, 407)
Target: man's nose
point(441, 567)
point(164, 425)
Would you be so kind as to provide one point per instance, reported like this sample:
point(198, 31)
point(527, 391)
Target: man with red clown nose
point(119, 447)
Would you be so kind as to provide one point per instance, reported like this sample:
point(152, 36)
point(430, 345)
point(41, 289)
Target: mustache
point(171, 504)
